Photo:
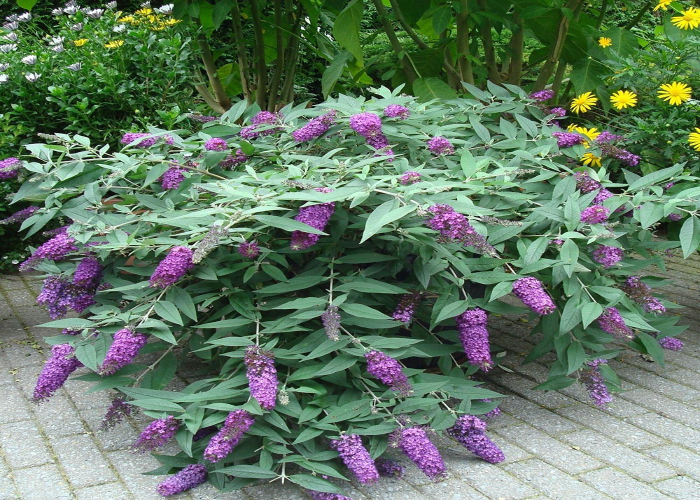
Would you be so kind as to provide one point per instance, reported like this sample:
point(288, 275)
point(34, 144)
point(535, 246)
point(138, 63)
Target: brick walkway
point(557, 444)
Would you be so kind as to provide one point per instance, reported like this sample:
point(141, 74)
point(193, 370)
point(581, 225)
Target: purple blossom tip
point(388, 371)
point(595, 214)
point(216, 144)
point(249, 250)
point(440, 146)
point(123, 350)
point(172, 178)
point(469, 431)
point(475, 337)
point(156, 434)
point(532, 293)
point(356, 457)
point(189, 477)
point(414, 442)
point(408, 178)
point(607, 256)
point(262, 376)
point(316, 216)
point(406, 307)
point(671, 343)
point(612, 322)
point(56, 371)
point(542, 95)
point(173, 267)
point(236, 424)
point(9, 168)
point(396, 111)
point(595, 384)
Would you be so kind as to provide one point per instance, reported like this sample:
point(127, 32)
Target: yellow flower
point(80, 42)
point(663, 4)
point(172, 22)
point(591, 159)
point(127, 19)
point(584, 102)
point(143, 12)
point(694, 139)
point(623, 99)
point(114, 44)
point(157, 27)
point(688, 19)
point(604, 42)
point(675, 93)
point(591, 133)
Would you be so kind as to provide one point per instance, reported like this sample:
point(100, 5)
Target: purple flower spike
point(20, 216)
point(475, 337)
point(189, 477)
point(559, 112)
point(172, 178)
point(440, 146)
point(9, 168)
point(123, 350)
point(567, 139)
point(320, 495)
point(56, 371)
point(88, 274)
point(611, 322)
point(671, 343)
point(542, 95)
point(607, 256)
point(454, 226)
point(216, 144)
point(531, 292)
point(173, 267)
point(585, 183)
point(388, 371)
point(262, 376)
point(406, 307)
point(55, 296)
point(640, 292)
point(316, 216)
point(262, 118)
point(236, 424)
point(366, 124)
point(603, 195)
point(315, 128)
point(146, 140)
point(389, 468)
point(115, 413)
point(415, 444)
point(595, 214)
point(469, 431)
point(55, 249)
point(493, 413)
point(606, 137)
point(356, 457)
point(157, 434)
point(249, 250)
point(331, 322)
point(397, 111)
point(595, 384)
point(234, 160)
point(408, 178)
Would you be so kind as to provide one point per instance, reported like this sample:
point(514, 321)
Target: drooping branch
point(210, 67)
point(464, 63)
point(259, 54)
point(406, 65)
point(489, 49)
point(241, 52)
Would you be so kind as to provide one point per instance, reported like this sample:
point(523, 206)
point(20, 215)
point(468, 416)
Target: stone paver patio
point(647, 446)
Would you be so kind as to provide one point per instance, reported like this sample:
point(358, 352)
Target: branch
point(639, 16)
point(241, 52)
point(489, 51)
point(517, 47)
point(464, 63)
point(601, 16)
point(555, 52)
point(209, 99)
point(208, 59)
point(408, 69)
point(279, 63)
point(292, 57)
point(260, 64)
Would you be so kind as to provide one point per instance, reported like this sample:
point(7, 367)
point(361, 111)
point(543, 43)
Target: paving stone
point(451, 489)
point(57, 417)
point(650, 381)
point(20, 297)
point(7, 486)
point(618, 455)
point(680, 488)
point(83, 400)
point(552, 481)
point(82, 461)
point(494, 482)
point(14, 406)
point(26, 378)
point(112, 491)
point(33, 315)
point(12, 331)
point(514, 383)
point(207, 492)
point(12, 283)
point(42, 483)
point(664, 406)
point(18, 356)
point(537, 416)
point(679, 458)
point(120, 437)
point(613, 427)
point(619, 485)
point(276, 491)
point(669, 430)
point(130, 467)
point(685, 377)
point(23, 445)
point(549, 449)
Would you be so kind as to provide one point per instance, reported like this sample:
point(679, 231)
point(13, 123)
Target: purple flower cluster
point(56, 371)
point(454, 226)
point(234, 160)
point(440, 146)
point(262, 376)
point(606, 137)
point(9, 168)
point(475, 337)
point(58, 295)
point(331, 322)
point(55, 249)
point(262, 118)
point(567, 139)
point(216, 144)
point(671, 217)
point(237, 422)
point(388, 371)
point(607, 256)
point(493, 413)
point(321, 495)
point(20, 216)
point(611, 322)
point(469, 431)
point(671, 343)
point(640, 292)
point(146, 139)
point(410, 177)
point(127, 344)
point(595, 214)
point(116, 412)
point(542, 95)
point(396, 111)
point(560, 112)
point(406, 307)
point(202, 118)
point(249, 250)
point(356, 457)
point(623, 155)
point(156, 434)
point(315, 128)
point(366, 124)
point(189, 477)
point(172, 178)
point(414, 442)
point(173, 267)
point(585, 183)
point(389, 468)
point(595, 385)
point(88, 273)
point(316, 216)
point(602, 195)
point(531, 292)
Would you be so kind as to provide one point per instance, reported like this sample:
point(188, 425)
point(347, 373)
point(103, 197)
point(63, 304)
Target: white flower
point(23, 18)
point(71, 9)
point(32, 77)
point(12, 37)
point(8, 47)
point(119, 28)
point(111, 5)
point(11, 26)
point(57, 40)
point(95, 13)
point(4, 66)
point(30, 59)
point(165, 9)
point(146, 5)
point(4, 79)
point(77, 27)
point(56, 12)
point(58, 48)
point(11, 18)
point(75, 67)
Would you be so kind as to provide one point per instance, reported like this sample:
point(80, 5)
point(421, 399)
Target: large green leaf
point(333, 72)
point(587, 74)
point(427, 89)
point(690, 236)
point(346, 29)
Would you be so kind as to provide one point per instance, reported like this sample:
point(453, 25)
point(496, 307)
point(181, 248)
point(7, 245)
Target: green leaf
point(183, 302)
point(442, 18)
point(363, 311)
point(87, 355)
point(649, 213)
point(314, 483)
point(68, 323)
point(157, 405)
point(535, 250)
point(348, 411)
point(221, 10)
point(333, 72)
point(367, 285)
point(294, 284)
point(652, 347)
point(556, 383)
point(427, 89)
point(248, 471)
point(346, 29)
point(384, 214)
point(26, 4)
point(569, 256)
point(342, 362)
point(587, 74)
point(480, 130)
point(571, 315)
point(690, 236)
point(575, 356)
point(624, 42)
point(500, 290)
point(452, 310)
point(168, 312)
point(655, 177)
point(288, 224)
point(590, 312)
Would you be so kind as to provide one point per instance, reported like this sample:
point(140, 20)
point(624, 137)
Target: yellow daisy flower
point(127, 19)
point(80, 42)
point(157, 27)
point(591, 133)
point(689, 19)
point(623, 99)
point(694, 139)
point(663, 4)
point(143, 12)
point(172, 22)
point(675, 93)
point(114, 44)
point(589, 159)
point(605, 42)
point(584, 102)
